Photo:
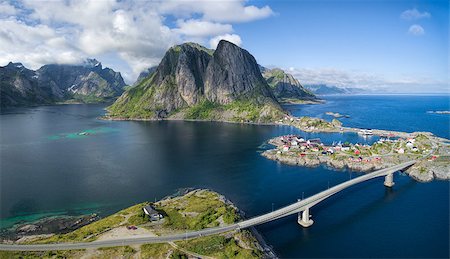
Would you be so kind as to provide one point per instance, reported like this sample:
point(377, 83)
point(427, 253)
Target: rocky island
point(196, 83)
point(189, 210)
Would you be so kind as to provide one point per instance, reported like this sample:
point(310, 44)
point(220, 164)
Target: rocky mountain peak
point(16, 65)
point(285, 87)
point(92, 63)
point(195, 82)
point(233, 73)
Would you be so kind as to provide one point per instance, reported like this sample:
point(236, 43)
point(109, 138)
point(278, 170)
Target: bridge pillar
point(389, 180)
point(304, 218)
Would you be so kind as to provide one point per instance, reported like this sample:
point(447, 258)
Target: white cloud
point(34, 45)
point(7, 9)
point(372, 82)
point(234, 38)
point(414, 14)
point(416, 30)
point(136, 32)
point(198, 28)
point(216, 10)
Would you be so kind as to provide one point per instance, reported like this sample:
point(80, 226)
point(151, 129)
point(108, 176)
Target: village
point(387, 151)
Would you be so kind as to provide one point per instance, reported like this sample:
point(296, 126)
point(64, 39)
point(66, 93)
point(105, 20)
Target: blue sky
point(365, 36)
point(394, 46)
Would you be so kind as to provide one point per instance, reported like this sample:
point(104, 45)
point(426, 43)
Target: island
point(186, 211)
point(432, 153)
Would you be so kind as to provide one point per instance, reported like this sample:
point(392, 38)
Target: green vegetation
point(155, 250)
point(86, 233)
point(178, 255)
point(43, 254)
point(201, 48)
point(116, 252)
point(274, 76)
point(219, 247)
point(202, 111)
point(246, 110)
point(135, 102)
point(197, 210)
point(315, 122)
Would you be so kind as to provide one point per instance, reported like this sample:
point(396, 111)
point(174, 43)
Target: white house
point(152, 213)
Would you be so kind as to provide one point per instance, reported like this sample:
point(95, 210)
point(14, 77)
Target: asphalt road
point(280, 213)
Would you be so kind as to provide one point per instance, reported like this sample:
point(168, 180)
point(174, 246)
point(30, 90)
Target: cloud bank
point(372, 82)
point(137, 32)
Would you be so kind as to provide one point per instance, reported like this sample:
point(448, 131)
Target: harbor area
point(433, 157)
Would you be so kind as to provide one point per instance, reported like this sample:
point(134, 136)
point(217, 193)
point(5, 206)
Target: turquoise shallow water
point(130, 162)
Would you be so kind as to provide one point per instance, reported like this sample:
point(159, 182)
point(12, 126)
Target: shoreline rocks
point(47, 225)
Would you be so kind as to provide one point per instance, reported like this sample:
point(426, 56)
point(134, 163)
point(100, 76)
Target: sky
point(392, 46)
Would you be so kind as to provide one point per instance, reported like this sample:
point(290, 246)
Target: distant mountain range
point(191, 82)
point(88, 82)
point(323, 89)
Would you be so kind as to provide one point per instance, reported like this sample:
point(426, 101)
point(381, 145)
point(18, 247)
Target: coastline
point(244, 242)
point(316, 125)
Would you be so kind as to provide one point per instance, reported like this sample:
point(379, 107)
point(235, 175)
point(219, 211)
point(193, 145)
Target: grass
point(117, 252)
point(86, 233)
point(203, 111)
point(43, 254)
point(197, 211)
point(219, 247)
point(246, 110)
point(155, 250)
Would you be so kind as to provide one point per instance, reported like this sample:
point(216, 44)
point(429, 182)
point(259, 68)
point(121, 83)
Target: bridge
point(301, 207)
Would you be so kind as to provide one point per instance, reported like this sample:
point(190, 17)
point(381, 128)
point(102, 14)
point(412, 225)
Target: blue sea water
point(392, 112)
point(49, 168)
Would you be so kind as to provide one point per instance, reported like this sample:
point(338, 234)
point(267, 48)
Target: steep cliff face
point(20, 86)
point(193, 82)
point(232, 74)
point(56, 83)
point(285, 87)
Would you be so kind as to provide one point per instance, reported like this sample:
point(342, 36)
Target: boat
point(365, 132)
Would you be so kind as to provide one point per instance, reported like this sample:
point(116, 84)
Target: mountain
point(87, 81)
point(193, 82)
point(144, 74)
point(56, 83)
point(322, 89)
point(285, 87)
point(20, 86)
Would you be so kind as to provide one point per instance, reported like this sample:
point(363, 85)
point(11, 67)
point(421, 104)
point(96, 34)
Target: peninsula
point(191, 210)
